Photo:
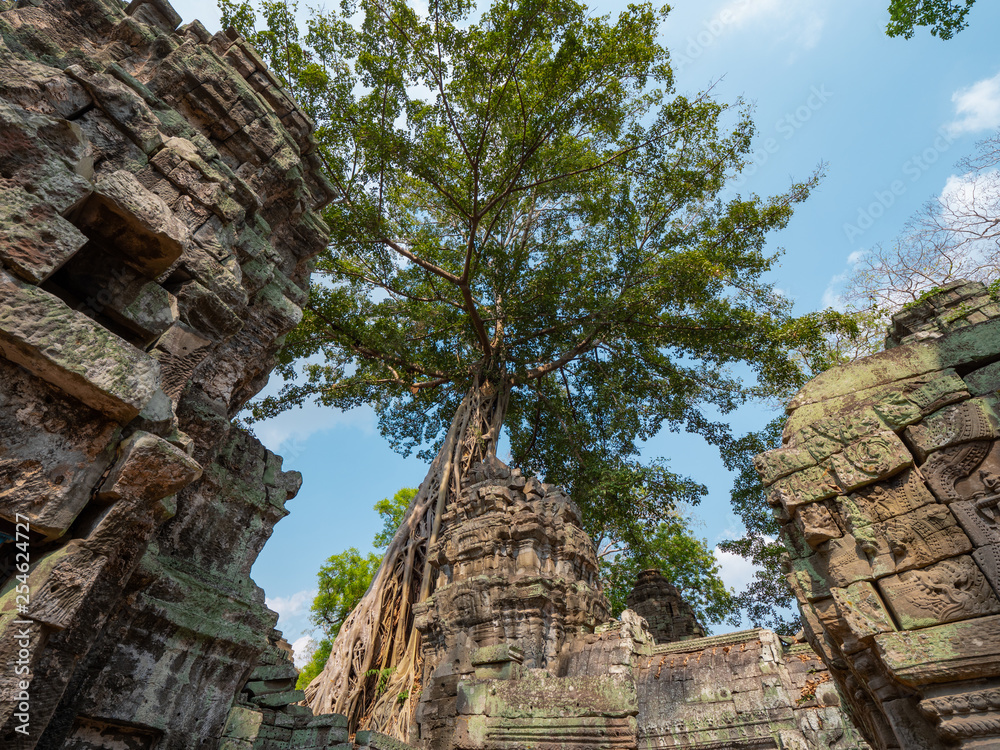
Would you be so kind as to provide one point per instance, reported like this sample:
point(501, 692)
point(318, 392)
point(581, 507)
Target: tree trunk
point(373, 673)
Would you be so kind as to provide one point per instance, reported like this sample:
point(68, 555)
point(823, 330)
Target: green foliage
point(945, 17)
point(392, 513)
point(768, 593)
point(343, 579)
point(523, 199)
point(685, 560)
point(315, 665)
point(383, 676)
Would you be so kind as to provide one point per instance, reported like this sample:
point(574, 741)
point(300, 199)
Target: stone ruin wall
point(888, 490)
point(158, 217)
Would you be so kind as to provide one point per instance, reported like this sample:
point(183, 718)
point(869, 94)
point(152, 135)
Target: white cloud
point(977, 107)
point(736, 572)
point(854, 258)
point(291, 606)
point(286, 433)
point(787, 20)
point(302, 650)
point(832, 296)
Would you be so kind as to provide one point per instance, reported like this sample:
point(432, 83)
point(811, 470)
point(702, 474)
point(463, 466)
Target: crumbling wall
point(887, 488)
point(158, 217)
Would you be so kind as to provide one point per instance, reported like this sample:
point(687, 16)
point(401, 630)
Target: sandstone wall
point(158, 198)
point(887, 488)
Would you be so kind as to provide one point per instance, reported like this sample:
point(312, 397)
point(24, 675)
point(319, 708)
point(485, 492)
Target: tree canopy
point(522, 198)
point(945, 17)
point(532, 232)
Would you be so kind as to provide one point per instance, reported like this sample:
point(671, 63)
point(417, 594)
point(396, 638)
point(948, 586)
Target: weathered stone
point(946, 653)
point(144, 622)
point(150, 468)
point(860, 606)
point(661, 605)
point(926, 529)
point(68, 350)
point(959, 423)
point(872, 458)
point(34, 239)
point(945, 592)
point(808, 486)
point(134, 224)
point(985, 380)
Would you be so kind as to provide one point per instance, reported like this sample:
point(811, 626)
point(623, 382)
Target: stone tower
point(667, 615)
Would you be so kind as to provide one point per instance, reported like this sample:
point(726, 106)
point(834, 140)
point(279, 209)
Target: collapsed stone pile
point(888, 489)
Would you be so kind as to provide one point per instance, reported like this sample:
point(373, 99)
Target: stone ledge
point(72, 352)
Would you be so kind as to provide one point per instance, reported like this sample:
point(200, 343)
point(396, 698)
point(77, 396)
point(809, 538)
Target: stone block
point(816, 523)
point(946, 653)
point(134, 223)
point(73, 353)
point(781, 462)
point(179, 351)
point(156, 13)
point(808, 486)
point(123, 105)
point(945, 592)
point(58, 583)
point(985, 380)
point(243, 723)
point(862, 609)
point(203, 311)
point(949, 472)
point(869, 460)
point(278, 700)
point(959, 423)
point(149, 468)
point(968, 346)
point(34, 240)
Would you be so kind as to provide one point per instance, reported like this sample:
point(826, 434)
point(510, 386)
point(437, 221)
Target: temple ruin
point(887, 487)
point(159, 198)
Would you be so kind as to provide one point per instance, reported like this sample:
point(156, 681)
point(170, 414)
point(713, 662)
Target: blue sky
point(889, 117)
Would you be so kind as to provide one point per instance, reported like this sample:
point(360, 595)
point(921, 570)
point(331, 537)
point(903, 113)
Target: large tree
point(532, 231)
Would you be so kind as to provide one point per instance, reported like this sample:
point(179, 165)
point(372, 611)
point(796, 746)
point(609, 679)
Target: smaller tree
point(392, 513)
point(956, 235)
point(945, 17)
point(344, 578)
